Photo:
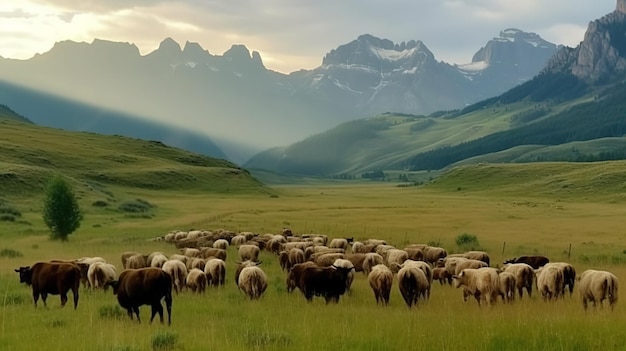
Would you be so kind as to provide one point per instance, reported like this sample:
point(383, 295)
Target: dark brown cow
point(55, 278)
point(534, 261)
point(144, 286)
point(327, 282)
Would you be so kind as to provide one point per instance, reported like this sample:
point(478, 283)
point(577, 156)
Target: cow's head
point(115, 284)
point(26, 275)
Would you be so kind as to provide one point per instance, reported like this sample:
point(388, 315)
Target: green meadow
point(584, 229)
point(132, 192)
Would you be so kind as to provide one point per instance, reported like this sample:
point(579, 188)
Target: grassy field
point(583, 226)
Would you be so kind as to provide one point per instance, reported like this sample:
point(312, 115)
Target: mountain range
point(573, 110)
point(231, 106)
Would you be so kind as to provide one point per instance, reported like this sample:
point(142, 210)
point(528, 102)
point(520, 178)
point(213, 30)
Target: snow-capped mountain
point(234, 99)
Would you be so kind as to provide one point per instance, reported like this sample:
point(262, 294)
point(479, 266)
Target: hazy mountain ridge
point(579, 97)
point(233, 97)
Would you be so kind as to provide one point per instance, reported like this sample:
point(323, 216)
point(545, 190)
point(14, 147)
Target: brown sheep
point(441, 274)
point(370, 260)
point(569, 275)
point(412, 283)
point(507, 287)
point(249, 252)
point(380, 279)
point(550, 282)
point(524, 277)
point(469, 263)
point(215, 270)
point(178, 271)
point(597, 286)
point(253, 282)
point(482, 283)
point(196, 281)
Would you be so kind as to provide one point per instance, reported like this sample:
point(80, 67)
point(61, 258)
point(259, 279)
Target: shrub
point(10, 253)
point(100, 203)
point(14, 299)
point(164, 341)
point(467, 242)
point(111, 312)
point(61, 211)
point(5, 217)
point(135, 206)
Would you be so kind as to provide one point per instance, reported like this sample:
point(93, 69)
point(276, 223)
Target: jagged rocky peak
point(369, 50)
point(602, 53)
point(498, 49)
point(194, 49)
point(240, 54)
point(169, 45)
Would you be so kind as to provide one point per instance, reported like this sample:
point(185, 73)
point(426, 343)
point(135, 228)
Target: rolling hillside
point(30, 154)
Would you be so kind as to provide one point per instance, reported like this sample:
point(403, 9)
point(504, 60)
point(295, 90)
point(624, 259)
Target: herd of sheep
point(316, 266)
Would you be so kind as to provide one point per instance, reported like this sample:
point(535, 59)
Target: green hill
point(30, 155)
point(7, 113)
point(556, 179)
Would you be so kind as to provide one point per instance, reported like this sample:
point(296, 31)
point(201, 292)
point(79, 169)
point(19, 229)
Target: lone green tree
point(61, 211)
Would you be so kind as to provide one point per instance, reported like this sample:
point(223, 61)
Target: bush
point(61, 212)
point(5, 217)
point(164, 341)
point(135, 206)
point(111, 312)
point(10, 253)
point(467, 242)
point(100, 203)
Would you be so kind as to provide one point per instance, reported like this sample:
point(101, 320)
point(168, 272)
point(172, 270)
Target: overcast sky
point(290, 34)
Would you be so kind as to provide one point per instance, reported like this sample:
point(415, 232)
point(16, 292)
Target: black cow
point(144, 286)
point(328, 282)
point(534, 261)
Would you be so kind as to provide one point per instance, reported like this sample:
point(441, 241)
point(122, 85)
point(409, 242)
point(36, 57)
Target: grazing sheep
point(507, 286)
point(478, 255)
point(414, 253)
point(99, 274)
point(319, 250)
point(370, 260)
point(211, 252)
point(338, 243)
point(569, 275)
point(482, 283)
point(221, 244)
point(125, 257)
point(524, 277)
point(550, 282)
point(238, 240)
point(136, 261)
point(326, 259)
point(394, 258)
point(196, 281)
point(294, 256)
point(181, 258)
point(380, 279)
point(191, 252)
point(468, 263)
point(178, 271)
point(283, 260)
point(157, 260)
point(253, 282)
point(358, 247)
point(412, 283)
point(424, 267)
point(441, 274)
point(433, 253)
point(196, 262)
point(241, 266)
point(151, 256)
point(215, 270)
point(597, 286)
point(375, 242)
point(249, 252)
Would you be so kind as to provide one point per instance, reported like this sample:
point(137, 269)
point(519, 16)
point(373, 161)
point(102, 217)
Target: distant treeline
point(603, 117)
